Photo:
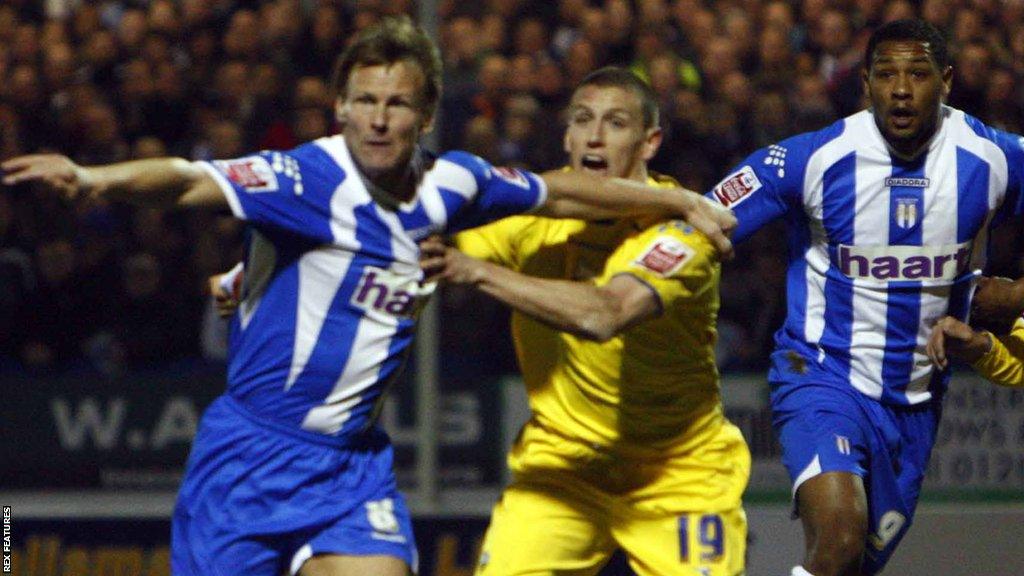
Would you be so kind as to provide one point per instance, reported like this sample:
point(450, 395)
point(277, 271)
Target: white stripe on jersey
point(455, 178)
point(320, 274)
point(349, 194)
point(870, 228)
point(817, 256)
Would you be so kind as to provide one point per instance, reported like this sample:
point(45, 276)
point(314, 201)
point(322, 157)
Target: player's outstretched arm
point(590, 197)
point(951, 338)
point(999, 359)
point(159, 182)
point(997, 303)
point(588, 311)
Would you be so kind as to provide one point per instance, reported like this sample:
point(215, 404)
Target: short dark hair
point(392, 40)
point(913, 30)
point(627, 80)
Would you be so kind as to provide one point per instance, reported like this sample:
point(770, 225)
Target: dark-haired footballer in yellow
point(614, 326)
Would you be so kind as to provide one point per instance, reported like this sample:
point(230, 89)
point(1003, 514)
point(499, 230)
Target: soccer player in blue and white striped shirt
point(289, 471)
point(888, 214)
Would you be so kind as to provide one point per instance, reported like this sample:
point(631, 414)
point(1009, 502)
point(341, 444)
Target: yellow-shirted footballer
point(614, 326)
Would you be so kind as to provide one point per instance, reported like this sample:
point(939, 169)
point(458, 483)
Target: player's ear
point(652, 141)
point(428, 122)
point(341, 111)
point(947, 81)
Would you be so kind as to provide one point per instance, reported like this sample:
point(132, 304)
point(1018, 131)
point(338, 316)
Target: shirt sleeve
point(766, 185)
point(489, 193)
point(496, 242)
point(278, 190)
point(1012, 146)
point(1004, 363)
point(672, 258)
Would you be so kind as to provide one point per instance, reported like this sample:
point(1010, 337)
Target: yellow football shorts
point(571, 506)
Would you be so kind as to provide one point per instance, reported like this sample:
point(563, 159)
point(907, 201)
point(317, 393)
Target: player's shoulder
point(675, 228)
point(1008, 142)
point(662, 245)
point(659, 180)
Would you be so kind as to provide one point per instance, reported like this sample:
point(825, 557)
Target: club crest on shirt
point(252, 173)
point(906, 212)
point(737, 187)
point(664, 256)
point(511, 175)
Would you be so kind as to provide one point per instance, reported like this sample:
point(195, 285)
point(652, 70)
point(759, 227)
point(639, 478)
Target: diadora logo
point(895, 263)
point(907, 182)
point(385, 291)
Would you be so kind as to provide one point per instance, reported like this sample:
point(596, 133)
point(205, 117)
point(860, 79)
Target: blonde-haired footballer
point(614, 326)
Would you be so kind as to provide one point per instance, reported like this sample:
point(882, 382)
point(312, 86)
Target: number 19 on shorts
point(709, 544)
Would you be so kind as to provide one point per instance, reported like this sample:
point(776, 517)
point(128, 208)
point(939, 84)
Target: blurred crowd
point(111, 288)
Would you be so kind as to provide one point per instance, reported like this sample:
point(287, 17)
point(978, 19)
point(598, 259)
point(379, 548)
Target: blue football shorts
point(259, 501)
point(827, 426)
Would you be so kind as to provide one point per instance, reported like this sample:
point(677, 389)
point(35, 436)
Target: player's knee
point(837, 550)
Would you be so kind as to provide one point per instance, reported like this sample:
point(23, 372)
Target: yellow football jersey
point(1004, 363)
point(650, 389)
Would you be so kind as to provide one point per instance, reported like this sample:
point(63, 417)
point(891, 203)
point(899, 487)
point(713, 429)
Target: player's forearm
point(574, 307)
point(159, 182)
point(589, 197)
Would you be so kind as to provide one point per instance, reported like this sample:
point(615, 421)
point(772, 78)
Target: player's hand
point(716, 222)
point(952, 338)
point(441, 262)
point(997, 303)
point(225, 299)
point(53, 171)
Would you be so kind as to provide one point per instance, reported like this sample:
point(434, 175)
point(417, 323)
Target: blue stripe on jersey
point(453, 201)
point(839, 202)
point(796, 283)
point(839, 206)
point(903, 303)
point(334, 344)
point(261, 353)
point(906, 204)
point(972, 174)
point(417, 219)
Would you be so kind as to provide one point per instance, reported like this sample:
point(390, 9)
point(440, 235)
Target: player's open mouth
point(902, 117)
point(594, 162)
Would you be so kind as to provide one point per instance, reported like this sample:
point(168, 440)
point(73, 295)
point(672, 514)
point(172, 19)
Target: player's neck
point(394, 187)
point(398, 186)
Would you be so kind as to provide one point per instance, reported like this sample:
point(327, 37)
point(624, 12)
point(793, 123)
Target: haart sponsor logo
point(896, 263)
point(385, 291)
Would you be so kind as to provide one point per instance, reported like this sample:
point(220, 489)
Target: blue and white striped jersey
point(879, 248)
point(332, 282)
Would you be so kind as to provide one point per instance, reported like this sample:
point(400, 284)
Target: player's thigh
point(553, 528)
point(339, 565)
point(709, 543)
point(833, 508)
